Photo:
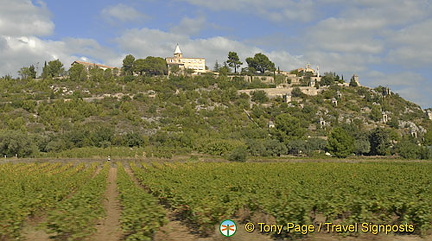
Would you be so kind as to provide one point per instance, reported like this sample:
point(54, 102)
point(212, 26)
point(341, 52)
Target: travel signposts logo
point(227, 228)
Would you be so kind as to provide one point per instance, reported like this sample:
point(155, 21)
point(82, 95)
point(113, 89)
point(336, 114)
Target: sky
point(385, 42)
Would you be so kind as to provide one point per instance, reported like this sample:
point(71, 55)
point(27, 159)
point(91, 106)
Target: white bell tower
point(177, 52)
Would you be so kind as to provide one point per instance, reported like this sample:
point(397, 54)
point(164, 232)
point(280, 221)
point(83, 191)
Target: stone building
point(196, 64)
point(429, 114)
point(355, 78)
point(307, 72)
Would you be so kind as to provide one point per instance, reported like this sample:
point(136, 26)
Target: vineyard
point(69, 196)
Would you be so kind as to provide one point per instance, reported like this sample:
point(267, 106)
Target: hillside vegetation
point(159, 117)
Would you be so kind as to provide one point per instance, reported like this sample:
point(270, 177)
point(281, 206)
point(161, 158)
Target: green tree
point(151, 66)
point(296, 92)
point(261, 63)
point(224, 70)
point(24, 73)
point(54, 68)
point(380, 141)
point(340, 143)
point(256, 147)
point(361, 146)
point(408, 148)
point(296, 147)
point(27, 72)
point(96, 74)
point(132, 139)
point(289, 128)
point(328, 79)
point(428, 137)
point(189, 71)
point(78, 72)
point(175, 69)
point(238, 154)
point(234, 61)
point(32, 72)
point(128, 64)
point(108, 74)
point(259, 96)
point(376, 113)
point(16, 143)
point(295, 71)
point(274, 148)
point(216, 67)
point(100, 135)
point(140, 66)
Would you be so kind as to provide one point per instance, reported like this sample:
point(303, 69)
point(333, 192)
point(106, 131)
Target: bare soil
point(31, 231)
point(109, 228)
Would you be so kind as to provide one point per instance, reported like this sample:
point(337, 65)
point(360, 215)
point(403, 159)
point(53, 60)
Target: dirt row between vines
point(109, 228)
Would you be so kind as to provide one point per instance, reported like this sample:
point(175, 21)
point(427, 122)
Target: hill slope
point(181, 115)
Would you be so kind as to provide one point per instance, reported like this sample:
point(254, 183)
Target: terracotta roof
point(92, 64)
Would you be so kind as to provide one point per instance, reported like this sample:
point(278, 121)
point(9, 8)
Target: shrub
point(296, 92)
point(259, 96)
point(340, 143)
point(239, 154)
point(16, 143)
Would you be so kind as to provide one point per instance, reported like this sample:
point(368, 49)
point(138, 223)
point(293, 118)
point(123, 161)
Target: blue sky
point(385, 42)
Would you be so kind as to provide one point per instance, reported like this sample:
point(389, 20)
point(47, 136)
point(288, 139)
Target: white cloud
point(190, 26)
point(364, 25)
point(21, 24)
point(122, 13)
point(366, 35)
point(149, 42)
point(341, 62)
point(347, 35)
point(18, 52)
point(412, 45)
point(394, 12)
point(24, 51)
point(401, 79)
point(410, 85)
point(420, 96)
point(285, 60)
point(22, 18)
point(278, 11)
point(89, 48)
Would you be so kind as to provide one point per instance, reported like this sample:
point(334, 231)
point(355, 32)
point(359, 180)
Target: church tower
point(178, 52)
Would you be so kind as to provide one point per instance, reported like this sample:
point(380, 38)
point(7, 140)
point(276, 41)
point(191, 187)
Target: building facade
point(196, 64)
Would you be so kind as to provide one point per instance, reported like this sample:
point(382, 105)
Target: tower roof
point(177, 50)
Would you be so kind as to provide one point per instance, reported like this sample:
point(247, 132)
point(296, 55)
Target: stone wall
point(280, 92)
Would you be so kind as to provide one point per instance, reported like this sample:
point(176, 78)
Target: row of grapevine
point(28, 188)
point(75, 217)
point(296, 192)
point(141, 214)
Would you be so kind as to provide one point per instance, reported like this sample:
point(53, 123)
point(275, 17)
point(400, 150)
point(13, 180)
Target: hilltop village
point(176, 106)
point(306, 79)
